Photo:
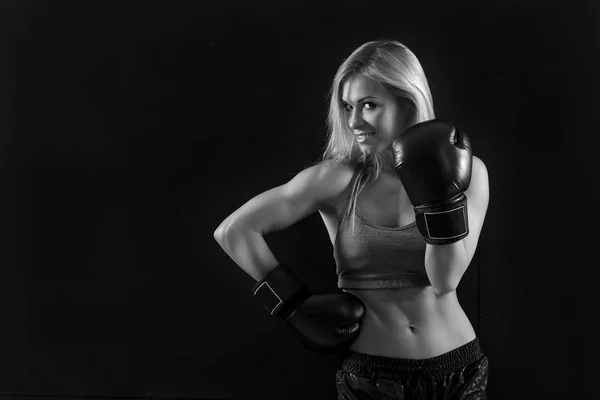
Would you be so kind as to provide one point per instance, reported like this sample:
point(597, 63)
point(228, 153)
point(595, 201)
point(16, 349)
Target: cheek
point(397, 122)
point(389, 125)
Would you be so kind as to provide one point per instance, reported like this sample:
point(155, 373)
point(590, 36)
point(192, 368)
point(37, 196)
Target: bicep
point(477, 198)
point(282, 206)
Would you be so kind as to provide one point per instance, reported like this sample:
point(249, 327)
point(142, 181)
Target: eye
point(347, 107)
point(370, 105)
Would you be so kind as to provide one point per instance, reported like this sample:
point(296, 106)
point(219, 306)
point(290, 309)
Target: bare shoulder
point(479, 171)
point(478, 191)
point(325, 180)
point(334, 173)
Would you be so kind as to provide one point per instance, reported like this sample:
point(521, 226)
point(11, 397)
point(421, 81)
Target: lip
point(357, 135)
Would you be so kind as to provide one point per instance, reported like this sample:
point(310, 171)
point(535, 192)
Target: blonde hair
point(393, 66)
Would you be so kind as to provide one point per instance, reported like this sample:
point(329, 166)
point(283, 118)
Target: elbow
point(221, 234)
point(227, 234)
point(446, 287)
point(443, 290)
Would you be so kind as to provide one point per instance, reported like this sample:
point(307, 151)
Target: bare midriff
point(412, 323)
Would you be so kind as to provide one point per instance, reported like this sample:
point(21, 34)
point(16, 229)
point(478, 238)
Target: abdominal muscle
point(412, 323)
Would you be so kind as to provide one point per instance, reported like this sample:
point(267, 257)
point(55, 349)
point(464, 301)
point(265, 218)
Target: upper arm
point(282, 206)
point(477, 198)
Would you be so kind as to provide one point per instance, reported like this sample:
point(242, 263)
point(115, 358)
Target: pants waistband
point(367, 365)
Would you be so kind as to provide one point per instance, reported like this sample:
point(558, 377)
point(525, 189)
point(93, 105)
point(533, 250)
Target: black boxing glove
point(323, 323)
point(433, 160)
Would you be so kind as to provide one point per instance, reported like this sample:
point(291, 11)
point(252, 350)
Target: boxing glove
point(323, 323)
point(433, 160)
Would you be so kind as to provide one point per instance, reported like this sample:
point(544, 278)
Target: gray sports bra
point(372, 257)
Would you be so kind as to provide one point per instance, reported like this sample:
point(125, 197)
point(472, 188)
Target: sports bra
point(372, 257)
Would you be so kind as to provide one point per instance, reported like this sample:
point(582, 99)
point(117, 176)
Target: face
point(375, 116)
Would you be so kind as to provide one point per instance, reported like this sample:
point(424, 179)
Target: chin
point(366, 147)
point(371, 149)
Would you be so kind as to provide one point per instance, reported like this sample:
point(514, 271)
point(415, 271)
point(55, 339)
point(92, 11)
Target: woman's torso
point(409, 322)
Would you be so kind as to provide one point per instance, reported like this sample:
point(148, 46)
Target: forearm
point(248, 249)
point(445, 265)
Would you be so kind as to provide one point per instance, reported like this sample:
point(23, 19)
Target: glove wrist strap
point(280, 291)
point(443, 222)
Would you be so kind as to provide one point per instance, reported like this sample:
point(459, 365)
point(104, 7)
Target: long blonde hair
point(393, 66)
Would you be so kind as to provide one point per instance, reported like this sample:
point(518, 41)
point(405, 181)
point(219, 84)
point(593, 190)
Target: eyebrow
point(361, 99)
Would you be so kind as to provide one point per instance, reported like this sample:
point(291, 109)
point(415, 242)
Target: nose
point(356, 120)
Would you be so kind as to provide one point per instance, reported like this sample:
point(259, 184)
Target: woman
point(392, 190)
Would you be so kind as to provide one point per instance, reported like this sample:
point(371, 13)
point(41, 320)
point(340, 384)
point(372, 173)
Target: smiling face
point(373, 114)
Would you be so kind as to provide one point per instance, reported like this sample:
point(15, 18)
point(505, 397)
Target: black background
point(130, 130)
